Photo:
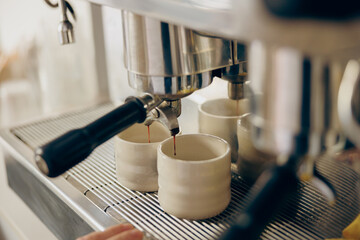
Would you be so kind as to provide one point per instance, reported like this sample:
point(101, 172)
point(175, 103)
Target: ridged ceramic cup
point(136, 159)
point(219, 117)
point(194, 184)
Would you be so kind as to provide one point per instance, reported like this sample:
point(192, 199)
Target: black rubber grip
point(266, 197)
point(74, 146)
point(316, 9)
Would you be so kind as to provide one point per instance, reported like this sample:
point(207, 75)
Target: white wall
point(117, 74)
point(66, 75)
point(19, 20)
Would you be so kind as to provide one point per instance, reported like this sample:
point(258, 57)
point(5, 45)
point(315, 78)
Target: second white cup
point(136, 158)
point(219, 117)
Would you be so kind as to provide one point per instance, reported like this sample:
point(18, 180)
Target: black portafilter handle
point(267, 196)
point(64, 152)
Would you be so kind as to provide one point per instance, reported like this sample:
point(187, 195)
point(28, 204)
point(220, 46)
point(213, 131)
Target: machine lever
point(64, 152)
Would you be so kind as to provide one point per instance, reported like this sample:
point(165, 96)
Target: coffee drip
point(173, 135)
point(174, 145)
point(237, 107)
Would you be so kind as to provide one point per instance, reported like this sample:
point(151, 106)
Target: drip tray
point(306, 215)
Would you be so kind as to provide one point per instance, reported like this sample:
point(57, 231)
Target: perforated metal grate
point(306, 216)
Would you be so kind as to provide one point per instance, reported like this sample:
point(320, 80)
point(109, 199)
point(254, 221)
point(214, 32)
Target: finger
point(133, 234)
point(109, 232)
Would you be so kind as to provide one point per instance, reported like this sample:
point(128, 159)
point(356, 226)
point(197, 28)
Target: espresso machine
point(296, 61)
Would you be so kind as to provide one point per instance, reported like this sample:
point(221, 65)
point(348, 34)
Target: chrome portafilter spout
point(166, 113)
point(236, 74)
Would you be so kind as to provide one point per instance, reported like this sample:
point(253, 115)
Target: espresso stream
point(148, 127)
point(237, 113)
point(237, 107)
point(174, 146)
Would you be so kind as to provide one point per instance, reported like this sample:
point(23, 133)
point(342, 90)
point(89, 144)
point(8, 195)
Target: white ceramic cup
point(251, 162)
point(136, 158)
point(194, 184)
point(219, 117)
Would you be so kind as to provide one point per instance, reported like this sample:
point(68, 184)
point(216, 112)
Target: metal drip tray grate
point(306, 216)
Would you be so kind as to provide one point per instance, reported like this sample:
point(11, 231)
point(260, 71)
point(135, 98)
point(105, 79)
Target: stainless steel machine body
point(170, 60)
